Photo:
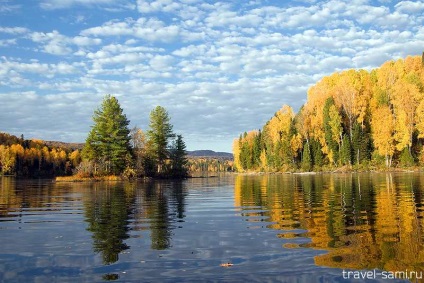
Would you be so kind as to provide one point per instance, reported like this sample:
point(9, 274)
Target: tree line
point(355, 118)
point(205, 164)
point(34, 158)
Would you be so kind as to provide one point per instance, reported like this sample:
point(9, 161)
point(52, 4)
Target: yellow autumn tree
point(7, 160)
point(317, 96)
point(236, 154)
point(405, 100)
point(335, 124)
point(382, 132)
point(279, 125)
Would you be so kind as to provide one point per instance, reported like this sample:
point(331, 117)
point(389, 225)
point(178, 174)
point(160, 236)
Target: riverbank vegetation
point(353, 119)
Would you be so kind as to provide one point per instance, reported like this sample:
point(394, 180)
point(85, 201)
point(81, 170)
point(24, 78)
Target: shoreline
point(114, 178)
point(336, 171)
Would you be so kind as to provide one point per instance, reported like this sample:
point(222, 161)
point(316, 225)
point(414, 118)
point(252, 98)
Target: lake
point(271, 228)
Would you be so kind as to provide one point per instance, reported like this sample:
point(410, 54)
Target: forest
point(352, 120)
point(35, 158)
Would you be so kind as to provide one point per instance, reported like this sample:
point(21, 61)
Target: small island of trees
point(354, 120)
point(111, 148)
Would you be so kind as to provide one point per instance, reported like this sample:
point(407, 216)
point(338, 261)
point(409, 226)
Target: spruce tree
point(108, 143)
point(345, 151)
point(257, 151)
point(179, 158)
point(159, 135)
point(333, 146)
point(360, 143)
point(316, 153)
point(306, 158)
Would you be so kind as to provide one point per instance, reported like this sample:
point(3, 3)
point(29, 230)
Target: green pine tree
point(345, 151)
point(316, 153)
point(256, 156)
point(360, 143)
point(179, 158)
point(108, 143)
point(159, 135)
point(306, 158)
point(327, 129)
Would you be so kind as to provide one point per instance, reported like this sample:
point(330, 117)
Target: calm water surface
point(272, 228)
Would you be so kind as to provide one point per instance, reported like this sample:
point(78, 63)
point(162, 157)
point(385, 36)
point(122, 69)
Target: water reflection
point(163, 205)
point(108, 210)
point(364, 221)
point(112, 211)
point(85, 224)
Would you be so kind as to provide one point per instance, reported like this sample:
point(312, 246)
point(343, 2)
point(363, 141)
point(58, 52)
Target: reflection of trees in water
point(164, 205)
point(365, 221)
point(107, 212)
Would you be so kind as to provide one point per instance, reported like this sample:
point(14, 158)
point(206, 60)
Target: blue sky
point(219, 67)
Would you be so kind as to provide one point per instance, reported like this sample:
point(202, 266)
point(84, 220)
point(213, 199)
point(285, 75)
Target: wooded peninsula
point(352, 120)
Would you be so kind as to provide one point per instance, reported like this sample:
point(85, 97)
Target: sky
point(220, 68)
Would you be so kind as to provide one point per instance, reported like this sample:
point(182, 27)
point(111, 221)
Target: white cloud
point(86, 41)
point(7, 42)
point(62, 4)
point(411, 7)
point(148, 29)
point(58, 44)
point(13, 30)
point(148, 6)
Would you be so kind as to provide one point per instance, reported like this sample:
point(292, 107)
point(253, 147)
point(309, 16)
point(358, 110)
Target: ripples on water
point(274, 228)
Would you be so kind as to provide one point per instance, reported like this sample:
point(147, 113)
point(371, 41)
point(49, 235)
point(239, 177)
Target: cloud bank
point(219, 68)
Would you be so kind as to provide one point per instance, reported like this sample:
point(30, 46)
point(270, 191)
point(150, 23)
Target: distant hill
point(210, 154)
point(67, 145)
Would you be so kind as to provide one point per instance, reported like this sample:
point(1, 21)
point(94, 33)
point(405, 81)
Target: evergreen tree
point(108, 143)
point(345, 151)
point(245, 155)
point(159, 134)
point(179, 158)
point(257, 150)
point(306, 158)
point(332, 144)
point(360, 143)
point(317, 158)
point(406, 159)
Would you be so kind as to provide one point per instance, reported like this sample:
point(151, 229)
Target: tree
point(306, 164)
point(108, 143)
point(159, 134)
point(360, 143)
point(7, 160)
point(236, 154)
point(345, 151)
point(139, 146)
point(332, 130)
point(179, 158)
point(382, 132)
